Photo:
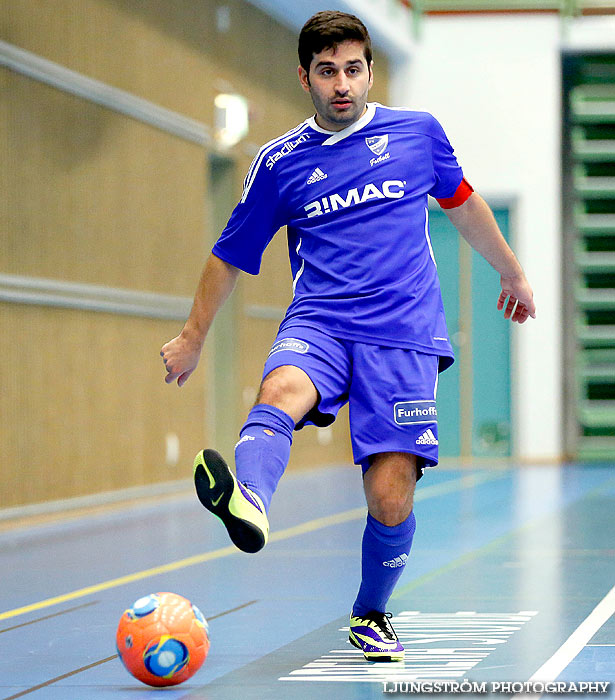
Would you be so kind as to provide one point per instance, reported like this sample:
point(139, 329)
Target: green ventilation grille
point(590, 168)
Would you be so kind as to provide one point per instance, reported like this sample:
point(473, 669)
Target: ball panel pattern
point(162, 639)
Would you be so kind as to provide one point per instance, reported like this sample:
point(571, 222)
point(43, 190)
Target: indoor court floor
point(511, 578)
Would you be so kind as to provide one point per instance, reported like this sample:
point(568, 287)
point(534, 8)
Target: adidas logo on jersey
point(427, 438)
point(397, 562)
point(316, 176)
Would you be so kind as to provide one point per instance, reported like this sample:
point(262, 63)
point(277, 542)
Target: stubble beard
point(324, 109)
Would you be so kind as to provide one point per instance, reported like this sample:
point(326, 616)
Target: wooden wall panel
point(84, 407)
point(92, 196)
point(96, 196)
point(171, 53)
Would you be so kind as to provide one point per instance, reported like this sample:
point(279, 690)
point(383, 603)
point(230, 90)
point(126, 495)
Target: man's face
point(338, 83)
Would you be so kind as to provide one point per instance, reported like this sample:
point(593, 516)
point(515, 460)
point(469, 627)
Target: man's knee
point(290, 389)
point(278, 382)
point(391, 509)
point(389, 487)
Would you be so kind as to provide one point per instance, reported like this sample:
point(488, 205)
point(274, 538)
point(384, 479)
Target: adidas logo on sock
point(397, 562)
point(245, 438)
point(316, 176)
point(427, 438)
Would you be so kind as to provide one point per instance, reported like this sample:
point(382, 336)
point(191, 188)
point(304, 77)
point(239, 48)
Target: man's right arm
point(181, 355)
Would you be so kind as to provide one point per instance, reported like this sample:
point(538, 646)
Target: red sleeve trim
point(462, 194)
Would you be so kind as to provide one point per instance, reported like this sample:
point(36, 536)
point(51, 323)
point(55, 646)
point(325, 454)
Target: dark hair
point(325, 30)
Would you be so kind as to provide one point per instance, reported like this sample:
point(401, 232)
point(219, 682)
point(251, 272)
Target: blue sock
point(262, 453)
point(384, 554)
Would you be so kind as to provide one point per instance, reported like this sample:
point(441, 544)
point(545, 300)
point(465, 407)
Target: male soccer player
point(366, 323)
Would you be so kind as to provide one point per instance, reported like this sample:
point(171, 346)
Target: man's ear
point(371, 74)
point(304, 78)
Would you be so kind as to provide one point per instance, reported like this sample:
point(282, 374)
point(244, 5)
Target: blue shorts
point(391, 391)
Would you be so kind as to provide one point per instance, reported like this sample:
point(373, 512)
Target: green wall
point(474, 395)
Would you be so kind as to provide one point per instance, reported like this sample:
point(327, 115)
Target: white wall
point(494, 83)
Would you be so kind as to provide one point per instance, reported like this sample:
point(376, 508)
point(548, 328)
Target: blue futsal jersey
point(355, 206)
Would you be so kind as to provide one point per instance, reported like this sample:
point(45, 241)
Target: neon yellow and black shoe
point(241, 510)
point(373, 633)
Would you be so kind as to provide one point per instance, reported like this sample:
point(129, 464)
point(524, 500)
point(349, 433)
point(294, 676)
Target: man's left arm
point(475, 222)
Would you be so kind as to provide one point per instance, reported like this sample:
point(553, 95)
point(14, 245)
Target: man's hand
point(181, 356)
point(519, 292)
point(475, 222)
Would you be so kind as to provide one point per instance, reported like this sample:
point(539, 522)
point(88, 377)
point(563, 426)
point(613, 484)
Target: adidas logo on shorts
point(397, 562)
point(427, 438)
point(316, 176)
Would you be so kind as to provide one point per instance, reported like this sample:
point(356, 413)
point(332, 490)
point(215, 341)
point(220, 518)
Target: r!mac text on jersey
point(390, 189)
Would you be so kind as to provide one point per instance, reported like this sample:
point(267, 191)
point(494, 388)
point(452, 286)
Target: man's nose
point(341, 84)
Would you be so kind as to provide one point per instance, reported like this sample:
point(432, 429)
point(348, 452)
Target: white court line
point(551, 669)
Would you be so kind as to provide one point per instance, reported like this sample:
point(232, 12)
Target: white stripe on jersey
point(337, 136)
point(394, 109)
point(256, 163)
point(266, 145)
point(300, 269)
point(428, 238)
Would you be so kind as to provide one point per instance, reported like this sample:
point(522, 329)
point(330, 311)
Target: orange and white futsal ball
point(162, 639)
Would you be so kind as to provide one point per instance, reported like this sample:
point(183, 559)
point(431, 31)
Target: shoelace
point(382, 620)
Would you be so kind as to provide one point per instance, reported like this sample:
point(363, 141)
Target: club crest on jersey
point(377, 144)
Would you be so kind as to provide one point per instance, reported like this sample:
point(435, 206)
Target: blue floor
point(506, 565)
